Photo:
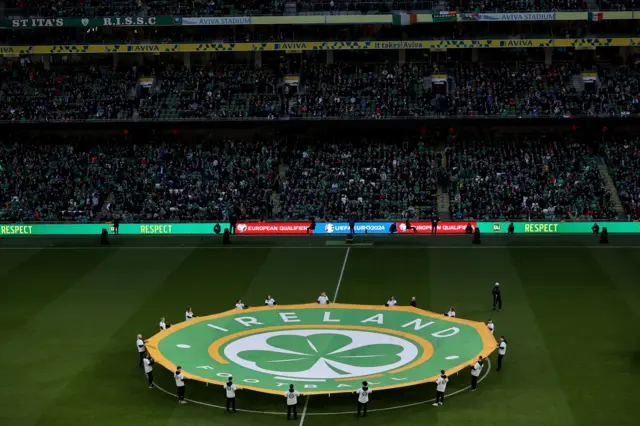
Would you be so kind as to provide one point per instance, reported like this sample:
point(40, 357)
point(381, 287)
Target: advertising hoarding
point(273, 228)
point(360, 228)
point(322, 228)
point(124, 229)
point(443, 227)
point(558, 227)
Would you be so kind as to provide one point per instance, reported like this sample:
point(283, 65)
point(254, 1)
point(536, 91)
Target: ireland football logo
point(323, 349)
point(321, 354)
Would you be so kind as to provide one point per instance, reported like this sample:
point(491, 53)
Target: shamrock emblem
point(322, 354)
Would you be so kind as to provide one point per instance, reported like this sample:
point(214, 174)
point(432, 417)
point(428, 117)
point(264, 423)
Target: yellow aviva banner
point(317, 45)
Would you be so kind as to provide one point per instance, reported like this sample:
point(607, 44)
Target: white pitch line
point(344, 263)
point(304, 410)
point(338, 413)
point(206, 404)
point(335, 297)
point(293, 379)
point(549, 247)
point(413, 404)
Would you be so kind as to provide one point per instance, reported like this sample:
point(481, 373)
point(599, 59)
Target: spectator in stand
point(487, 6)
point(29, 92)
point(536, 179)
point(520, 90)
point(346, 90)
point(63, 178)
point(58, 182)
point(623, 159)
point(204, 182)
point(372, 181)
point(224, 91)
point(57, 8)
point(51, 182)
point(90, 8)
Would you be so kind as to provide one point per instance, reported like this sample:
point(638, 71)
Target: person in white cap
point(491, 326)
point(497, 298)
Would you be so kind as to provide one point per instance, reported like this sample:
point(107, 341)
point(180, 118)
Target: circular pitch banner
point(321, 348)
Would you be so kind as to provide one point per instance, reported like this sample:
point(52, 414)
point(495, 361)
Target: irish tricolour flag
point(596, 16)
point(404, 19)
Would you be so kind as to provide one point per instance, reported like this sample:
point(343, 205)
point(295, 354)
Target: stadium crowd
point(376, 181)
point(533, 90)
point(535, 179)
point(136, 182)
point(361, 91)
point(90, 8)
point(223, 91)
point(50, 182)
point(29, 92)
point(516, 5)
point(98, 8)
point(164, 179)
point(193, 183)
point(623, 160)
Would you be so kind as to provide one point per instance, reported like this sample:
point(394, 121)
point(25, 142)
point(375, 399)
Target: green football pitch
point(70, 311)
